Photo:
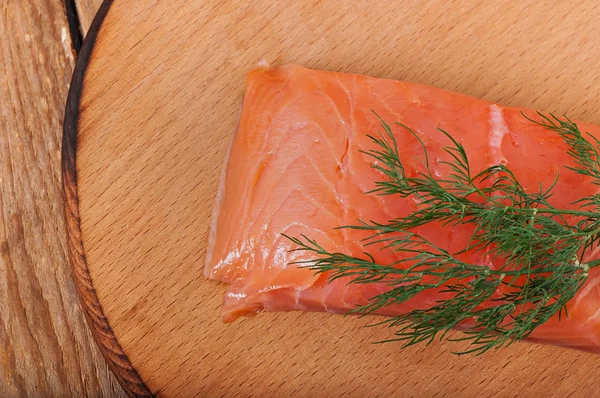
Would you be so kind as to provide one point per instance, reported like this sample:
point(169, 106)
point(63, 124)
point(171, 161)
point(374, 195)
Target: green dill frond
point(542, 252)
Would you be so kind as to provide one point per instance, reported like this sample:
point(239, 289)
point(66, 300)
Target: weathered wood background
point(46, 347)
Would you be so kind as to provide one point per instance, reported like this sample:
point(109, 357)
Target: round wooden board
point(152, 110)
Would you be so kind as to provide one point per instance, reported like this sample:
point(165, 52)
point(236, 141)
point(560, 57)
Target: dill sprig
point(542, 247)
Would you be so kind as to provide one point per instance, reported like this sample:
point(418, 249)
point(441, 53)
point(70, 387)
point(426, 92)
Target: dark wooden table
point(47, 349)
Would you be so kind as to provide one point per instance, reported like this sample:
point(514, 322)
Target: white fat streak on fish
point(499, 130)
point(212, 234)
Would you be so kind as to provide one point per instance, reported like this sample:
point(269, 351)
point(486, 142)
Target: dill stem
point(592, 264)
point(588, 214)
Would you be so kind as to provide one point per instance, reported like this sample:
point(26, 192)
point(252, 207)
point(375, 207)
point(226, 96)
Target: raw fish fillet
point(295, 167)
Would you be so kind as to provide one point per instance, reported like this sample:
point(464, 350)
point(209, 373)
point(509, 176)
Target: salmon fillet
point(296, 167)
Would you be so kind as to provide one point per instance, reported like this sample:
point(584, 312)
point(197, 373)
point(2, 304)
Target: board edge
point(116, 358)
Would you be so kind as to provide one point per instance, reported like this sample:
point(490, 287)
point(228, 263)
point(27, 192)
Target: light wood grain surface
point(47, 349)
point(86, 10)
point(158, 109)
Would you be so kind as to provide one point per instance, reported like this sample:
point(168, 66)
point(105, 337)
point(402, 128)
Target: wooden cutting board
point(151, 112)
